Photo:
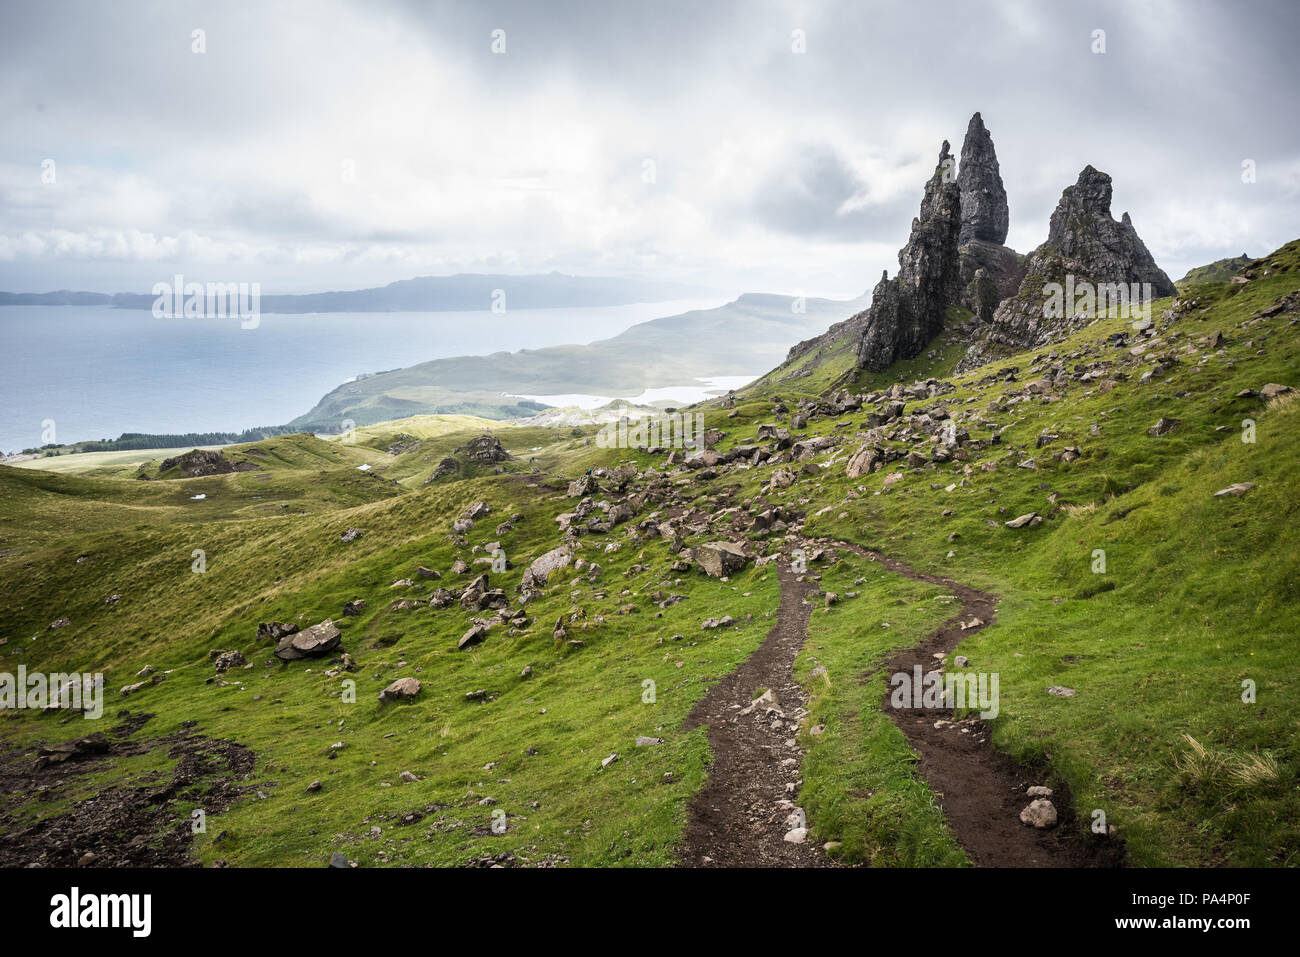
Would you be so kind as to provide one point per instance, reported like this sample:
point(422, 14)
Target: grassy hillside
point(1221, 270)
point(1197, 596)
point(734, 339)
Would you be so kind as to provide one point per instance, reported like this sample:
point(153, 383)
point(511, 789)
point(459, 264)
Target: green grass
point(1198, 596)
point(861, 787)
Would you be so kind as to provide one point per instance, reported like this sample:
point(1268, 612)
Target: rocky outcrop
point(1085, 248)
point(990, 271)
point(200, 462)
point(909, 310)
point(984, 215)
point(485, 448)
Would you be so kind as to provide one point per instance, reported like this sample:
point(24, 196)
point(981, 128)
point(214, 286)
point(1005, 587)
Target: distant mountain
point(464, 292)
point(744, 336)
point(64, 297)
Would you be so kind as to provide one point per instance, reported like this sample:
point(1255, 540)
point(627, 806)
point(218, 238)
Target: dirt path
point(982, 790)
point(738, 818)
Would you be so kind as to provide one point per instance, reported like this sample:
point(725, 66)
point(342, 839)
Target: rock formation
point(984, 213)
point(909, 310)
point(1084, 245)
point(984, 221)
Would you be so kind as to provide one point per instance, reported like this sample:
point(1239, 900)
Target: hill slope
point(509, 743)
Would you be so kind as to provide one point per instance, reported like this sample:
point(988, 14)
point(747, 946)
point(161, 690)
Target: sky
point(748, 146)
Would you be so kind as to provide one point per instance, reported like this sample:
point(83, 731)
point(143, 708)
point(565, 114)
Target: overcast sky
point(773, 170)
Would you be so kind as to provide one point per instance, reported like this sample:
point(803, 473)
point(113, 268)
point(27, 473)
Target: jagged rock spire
point(909, 310)
point(1084, 245)
point(984, 214)
point(1097, 247)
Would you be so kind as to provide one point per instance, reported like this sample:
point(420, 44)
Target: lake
point(98, 372)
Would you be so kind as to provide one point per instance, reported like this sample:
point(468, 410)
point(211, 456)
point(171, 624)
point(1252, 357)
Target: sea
point(78, 373)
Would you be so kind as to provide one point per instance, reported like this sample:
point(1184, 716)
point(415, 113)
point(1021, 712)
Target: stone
point(539, 572)
point(1028, 519)
point(275, 630)
point(1238, 488)
point(796, 835)
point(719, 559)
point(403, 689)
point(723, 622)
point(351, 535)
point(781, 478)
point(315, 641)
point(1061, 691)
point(229, 659)
point(1272, 390)
point(1163, 427)
point(646, 742)
point(864, 461)
point(1040, 813)
point(1038, 791)
point(472, 637)
point(476, 511)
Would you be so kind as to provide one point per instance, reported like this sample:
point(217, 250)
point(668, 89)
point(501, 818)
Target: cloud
point(340, 143)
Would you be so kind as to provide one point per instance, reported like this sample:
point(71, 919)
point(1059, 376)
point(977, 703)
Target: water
point(99, 372)
point(684, 394)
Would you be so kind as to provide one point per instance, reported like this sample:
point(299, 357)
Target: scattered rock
point(315, 641)
point(403, 689)
point(1041, 814)
point(1163, 427)
point(1238, 488)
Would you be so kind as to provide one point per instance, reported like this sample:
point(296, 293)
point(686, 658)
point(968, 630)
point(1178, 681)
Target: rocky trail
point(742, 816)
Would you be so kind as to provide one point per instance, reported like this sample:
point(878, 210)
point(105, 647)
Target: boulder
point(1029, 519)
point(719, 559)
point(229, 659)
point(864, 461)
point(540, 570)
point(403, 689)
point(1041, 813)
point(312, 643)
point(472, 637)
point(476, 511)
